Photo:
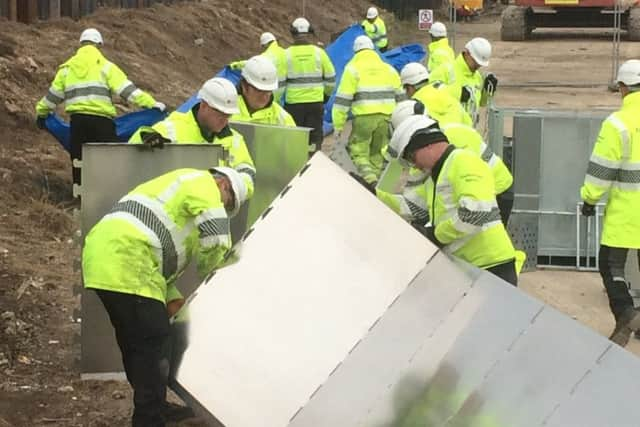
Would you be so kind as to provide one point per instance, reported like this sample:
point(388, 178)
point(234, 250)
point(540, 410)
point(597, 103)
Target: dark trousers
point(309, 115)
point(88, 128)
point(142, 330)
point(506, 271)
point(505, 204)
point(611, 266)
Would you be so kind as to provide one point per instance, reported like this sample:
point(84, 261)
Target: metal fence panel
point(550, 155)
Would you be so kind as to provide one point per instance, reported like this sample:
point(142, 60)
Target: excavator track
point(515, 26)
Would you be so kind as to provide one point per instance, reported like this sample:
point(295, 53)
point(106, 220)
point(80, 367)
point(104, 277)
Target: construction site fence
point(28, 11)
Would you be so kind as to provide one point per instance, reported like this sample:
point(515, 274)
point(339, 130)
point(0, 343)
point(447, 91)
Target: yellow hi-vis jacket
point(183, 128)
point(272, 114)
point(441, 106)
point(310, 74)
point(457, 75)
point(440, 53)
point(86, 82)
point(278, 56)
point(368, 86)
point(466, 137)
point(614, 168)
point(464, 211)
point(376, 31)
point(143, 245)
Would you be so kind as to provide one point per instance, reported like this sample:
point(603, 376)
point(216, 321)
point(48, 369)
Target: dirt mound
point(167, 50)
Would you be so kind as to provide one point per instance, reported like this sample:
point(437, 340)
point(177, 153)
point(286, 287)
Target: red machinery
point(523, 16)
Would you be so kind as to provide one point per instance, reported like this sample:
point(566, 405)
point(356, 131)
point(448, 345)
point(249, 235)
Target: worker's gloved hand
point(371, 187)
point(588, 210)
point(41, 122)
point(490, 83)
point(337, 135)
point(236, 65)
point(465, 94)
point(430, 233)
point(160, 106)
point(153, 140)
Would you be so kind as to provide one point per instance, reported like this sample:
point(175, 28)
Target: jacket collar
point(437, 168)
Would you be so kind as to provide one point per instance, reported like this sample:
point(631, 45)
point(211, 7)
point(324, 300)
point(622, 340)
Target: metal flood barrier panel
point(109, 171)
point(334, 318)
point(550, 154)
point(278, 153)
point(112, 170)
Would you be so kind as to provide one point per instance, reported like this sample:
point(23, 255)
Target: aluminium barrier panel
point(550, 153)
point(109, 172)
point(278, 153)
point(374, 336)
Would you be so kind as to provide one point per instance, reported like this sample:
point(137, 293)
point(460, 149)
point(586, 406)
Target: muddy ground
point(170, 51)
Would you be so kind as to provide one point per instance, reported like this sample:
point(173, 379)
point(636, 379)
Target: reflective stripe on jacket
point(86, 82)
point(614, 169)
point(142, 246)
point(310, 74)
point(272, 114)
point(464, 211)
point(440, 53)
point(376, 31)
point(183, 128)
point(466, 137)
point(368, 86)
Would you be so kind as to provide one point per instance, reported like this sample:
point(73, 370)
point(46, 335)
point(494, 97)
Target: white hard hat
point(372, 12)
point(362, 42)
point(413, 73)
point(220, 94)
point(300, 26)
point(438, 29)
point(260, 73)
point(405, 109)
point(407, 129)
point(237, 184)
point(266, 38)
point(629, 73)
point(91, 35)
point(480, 50)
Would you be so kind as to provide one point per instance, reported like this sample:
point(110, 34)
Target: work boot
point(176, 413)
point(628, 322)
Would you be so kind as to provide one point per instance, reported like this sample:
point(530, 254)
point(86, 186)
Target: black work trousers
point(506, 271)
point(142, 330)
point(88, 128)
point(309, 115)
point(505, 204)
point(611, 265)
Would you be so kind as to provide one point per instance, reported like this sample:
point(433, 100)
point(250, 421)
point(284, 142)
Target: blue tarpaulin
point(126, 125)
point(340, 52)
